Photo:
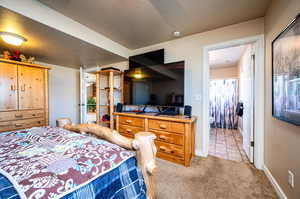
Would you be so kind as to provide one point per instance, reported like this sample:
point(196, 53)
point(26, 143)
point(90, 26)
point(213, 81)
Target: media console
point(175, 140)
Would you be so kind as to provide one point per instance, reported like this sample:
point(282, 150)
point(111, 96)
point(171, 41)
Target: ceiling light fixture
point(12, 38)
point(138, 76)
point(176, 34)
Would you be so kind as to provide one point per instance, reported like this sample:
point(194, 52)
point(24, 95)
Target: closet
point(23, 95)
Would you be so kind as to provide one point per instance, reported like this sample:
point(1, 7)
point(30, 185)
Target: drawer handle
point(162, 137)
point(163, 126)
point(129, 121)
point(129, 130)
point(162, 149)
point(18, 125)
point(18, 115)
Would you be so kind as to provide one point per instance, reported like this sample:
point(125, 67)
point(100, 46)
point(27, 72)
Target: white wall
point(63, 93)
point(190, 49)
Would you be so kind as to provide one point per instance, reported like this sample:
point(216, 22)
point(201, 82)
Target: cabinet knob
point(161, 148)
point(163, 126)
point(162, 137)
point(18, 115)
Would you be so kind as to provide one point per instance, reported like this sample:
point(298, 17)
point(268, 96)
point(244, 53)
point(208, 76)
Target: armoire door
point(8, 87)
point(31, 87)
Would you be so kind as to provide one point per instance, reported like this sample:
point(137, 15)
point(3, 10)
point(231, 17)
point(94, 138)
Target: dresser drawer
point(18, 115)
point(171, 138)
point(170, 149)
point(129, 129)
point(21, 124)
point(132, 121)
point(166, 126)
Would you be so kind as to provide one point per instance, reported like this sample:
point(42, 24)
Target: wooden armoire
point(23, 95)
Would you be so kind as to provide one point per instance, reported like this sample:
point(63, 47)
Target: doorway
point(87, 97)
point(258, 95)
point(230, 95)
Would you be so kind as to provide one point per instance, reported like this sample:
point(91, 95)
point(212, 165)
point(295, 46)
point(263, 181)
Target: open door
point(248, 101)
point(83, 104)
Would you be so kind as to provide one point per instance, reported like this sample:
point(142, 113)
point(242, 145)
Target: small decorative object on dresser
point(6, 54)
point(24, 95)
point(175, 134)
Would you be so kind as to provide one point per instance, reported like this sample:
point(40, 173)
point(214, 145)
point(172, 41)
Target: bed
point(47, 162)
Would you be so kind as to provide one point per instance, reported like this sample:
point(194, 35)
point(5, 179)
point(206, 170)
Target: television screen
point(158, 85)
point(147, 59)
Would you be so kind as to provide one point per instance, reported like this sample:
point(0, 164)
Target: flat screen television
point(152, 58)
point(156, 85)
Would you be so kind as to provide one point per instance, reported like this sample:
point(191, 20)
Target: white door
point(83, 105)
point(247, 94)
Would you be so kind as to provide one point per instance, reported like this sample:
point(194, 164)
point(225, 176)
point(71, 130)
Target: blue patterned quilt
point(124, 182)
point(53, 163)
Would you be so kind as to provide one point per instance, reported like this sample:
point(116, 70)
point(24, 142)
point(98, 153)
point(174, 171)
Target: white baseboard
point(274, 183)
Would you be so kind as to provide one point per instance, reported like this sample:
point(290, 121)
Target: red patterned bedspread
point(50, 162)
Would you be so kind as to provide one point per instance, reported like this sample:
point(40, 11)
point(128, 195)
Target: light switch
point(198, 97)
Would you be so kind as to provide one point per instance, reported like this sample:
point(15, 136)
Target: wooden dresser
point(23, 95)
point(175, 134)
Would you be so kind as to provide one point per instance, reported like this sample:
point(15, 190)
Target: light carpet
point(211, 178)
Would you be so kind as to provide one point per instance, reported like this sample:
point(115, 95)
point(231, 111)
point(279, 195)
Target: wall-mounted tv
point(158, 85)
point(152, 58)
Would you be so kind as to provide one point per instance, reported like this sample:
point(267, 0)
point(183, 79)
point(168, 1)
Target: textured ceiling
point(226, 57)
point(50, 45)
point(139, 23)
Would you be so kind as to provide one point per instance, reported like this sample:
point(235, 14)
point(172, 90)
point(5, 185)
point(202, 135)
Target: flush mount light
point(12, 38)
point(176, 34)
point(138, 76)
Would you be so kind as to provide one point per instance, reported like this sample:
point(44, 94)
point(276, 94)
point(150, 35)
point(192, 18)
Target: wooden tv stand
point(175, 140)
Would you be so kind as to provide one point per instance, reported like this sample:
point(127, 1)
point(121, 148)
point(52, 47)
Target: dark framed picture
point(286, 74)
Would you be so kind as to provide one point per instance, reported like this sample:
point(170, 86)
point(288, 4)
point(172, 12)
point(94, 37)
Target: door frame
point(259, 77)
point(83, 94)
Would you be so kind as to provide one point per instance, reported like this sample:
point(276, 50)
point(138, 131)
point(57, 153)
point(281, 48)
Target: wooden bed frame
point(143, 144)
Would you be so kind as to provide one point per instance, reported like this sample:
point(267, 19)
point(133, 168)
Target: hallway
point(227, 144)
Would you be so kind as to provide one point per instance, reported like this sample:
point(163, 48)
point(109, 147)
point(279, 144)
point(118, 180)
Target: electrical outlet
point(291, 178)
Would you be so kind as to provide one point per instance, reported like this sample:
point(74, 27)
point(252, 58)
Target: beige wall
point(282, 140)
point(63, 93)
point(224, 73)
point(190, 49)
